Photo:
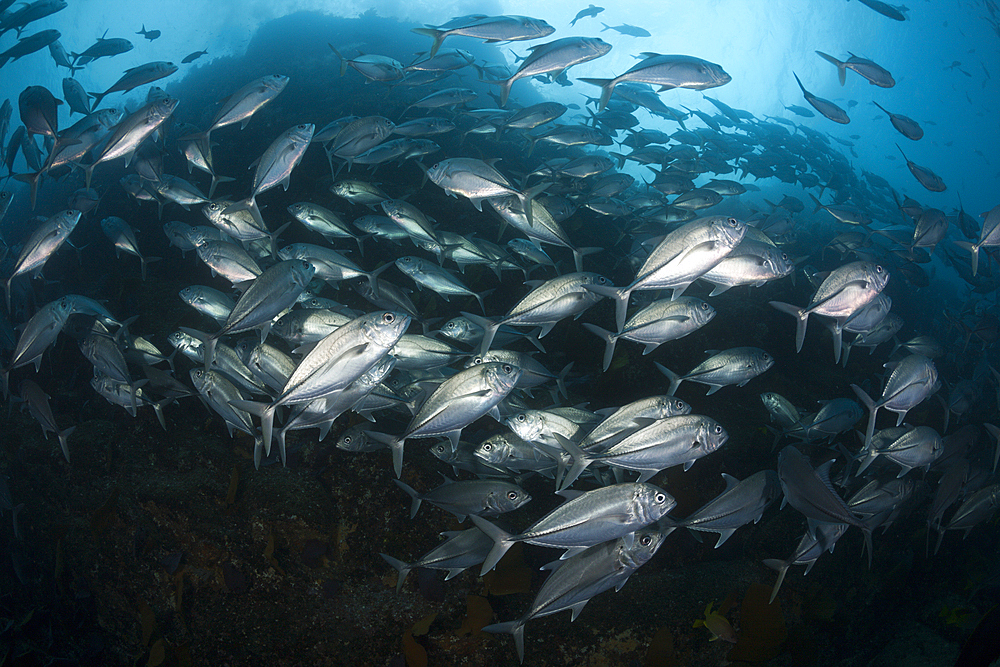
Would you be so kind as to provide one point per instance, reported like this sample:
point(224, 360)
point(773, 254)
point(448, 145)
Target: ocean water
point(168, 546)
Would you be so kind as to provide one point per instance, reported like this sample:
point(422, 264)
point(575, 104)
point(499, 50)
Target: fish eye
point(733, 222)
point(347, 439)
point(646, 540)
point(878, 269)
point(765, 356)
point(388, 318)
point(487, 447)
point(507, 368)
point(704, 305)
point(660, 498)
point(784, 256)
point(679, 405)
point(521, 418)
point(512, 495)
point(477, 360)
point(450, 325)
point(718, 429)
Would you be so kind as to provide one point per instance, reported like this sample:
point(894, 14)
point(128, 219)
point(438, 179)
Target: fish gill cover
point(508, 292)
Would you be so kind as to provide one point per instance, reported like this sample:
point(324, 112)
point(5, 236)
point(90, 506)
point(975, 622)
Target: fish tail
point(802, 319)
point(609, 341)
point(266, 413)
point(619, 294)
point(373, 277)
point(501, 538)
point(782, 567)
point(580, 253)
point(215, 181)
point(143, 261)
point(675, 379)
point(872, 411)
point(395, 444)
point(819, 204)
point(973, 249)
point(159, 405)
point(274, 239)
point(580, 462)
point(489, 330)
point(515, 629)
point(343, 62)
point(437, 35)
point(841, 66)
point(607, 87)
point(415, 505)
point(527, 199)
point(88, 172)
point(63, 436)
point(402, 568)
point(32, 181)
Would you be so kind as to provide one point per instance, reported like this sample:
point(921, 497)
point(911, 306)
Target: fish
point(275, 167)
point(482, 497)
point(809, 490)
point(678, 440)
point(885, 9)
point(574, 582)
point(245, 102)
point(736, 366)
point(626, 29)
point(548, 303)
point(455, 403)
point(553, 59)
point(29, 45)
point(825, 107)
point(667, 72)
point(44, 241)
point(913, 379)
point(274, 290)
point(38, 405)
point(924, 176)
point(477, 180)
point(131, 132)
point(492, 29)
point(123, 237)
point(906, 126)
point(103, 48)
point(740, 503)
point(337, 360)
point(148, 34)
point(135, 77)
point(435, 278)
point(191, 57)
point(679, 259)
point(588, 519)
point(845, 291)
point(875, 74)
point(657, 323)
point(590, 11)
point(371, 66)
point(461, 550)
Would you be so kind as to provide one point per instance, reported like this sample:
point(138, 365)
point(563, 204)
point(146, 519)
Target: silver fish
point(666, 71)
point(596, 516)
point(457, 402)
point(739, 504)
point(875, 74)
point(657, 323)
point(679, 440)
point(737, 366)
point(575, 581)
point(846, 290)
point(913, 379)
point(482, 497)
